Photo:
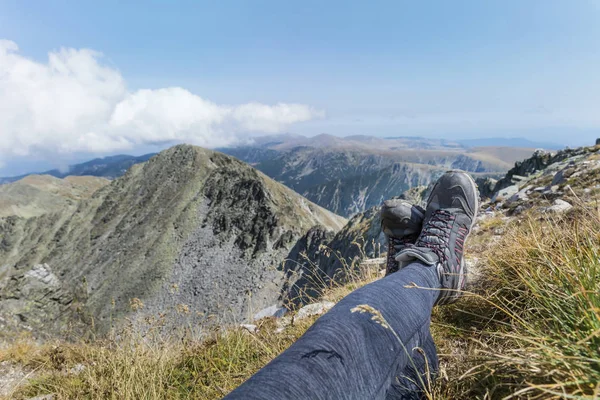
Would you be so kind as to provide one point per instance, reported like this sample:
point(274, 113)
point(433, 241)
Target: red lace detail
point(460, 241)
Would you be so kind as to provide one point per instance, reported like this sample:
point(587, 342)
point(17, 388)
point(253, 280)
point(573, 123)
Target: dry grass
point(532, 332)
point(132, 365)
point(129, 366)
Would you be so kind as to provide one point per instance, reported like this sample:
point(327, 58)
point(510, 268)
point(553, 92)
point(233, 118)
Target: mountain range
point(348, 175)
point(110, 167)
point(351, 174)
point(200, 235)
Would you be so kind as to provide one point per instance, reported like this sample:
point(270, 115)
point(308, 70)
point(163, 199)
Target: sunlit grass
point(529, 329)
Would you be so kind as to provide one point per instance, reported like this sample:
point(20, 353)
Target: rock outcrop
point(550, 182)
point(539, 161)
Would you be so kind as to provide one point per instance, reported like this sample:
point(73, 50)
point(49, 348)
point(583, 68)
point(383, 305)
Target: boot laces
point(395, 244)
point(435, 235)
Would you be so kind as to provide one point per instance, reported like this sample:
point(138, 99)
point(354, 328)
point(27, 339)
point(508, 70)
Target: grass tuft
point(533, 330)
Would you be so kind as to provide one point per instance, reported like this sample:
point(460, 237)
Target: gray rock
point(505, 193)
point(43, 273)
point(562, 176)
point(313, 309)
point(519, 210)
point(559, 206)
point(521, 195)
point(272, 311)
point(249, 327)
point(486, 186)
point(77, 369)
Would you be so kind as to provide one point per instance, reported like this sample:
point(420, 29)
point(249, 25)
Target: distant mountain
point(510, 142)
point(191, 233)
point(108, 167)
point(348, 175)
point(36, 195)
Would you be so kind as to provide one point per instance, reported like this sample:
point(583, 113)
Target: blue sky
point(455, 69)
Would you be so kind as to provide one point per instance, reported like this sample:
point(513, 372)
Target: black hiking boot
point(450, 215)
point(401, 222)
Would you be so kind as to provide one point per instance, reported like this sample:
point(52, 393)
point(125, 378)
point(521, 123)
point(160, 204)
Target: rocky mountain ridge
point(36, 195)
point(192, 232)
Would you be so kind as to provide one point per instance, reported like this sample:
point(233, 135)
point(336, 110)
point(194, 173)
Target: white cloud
point(74, 103)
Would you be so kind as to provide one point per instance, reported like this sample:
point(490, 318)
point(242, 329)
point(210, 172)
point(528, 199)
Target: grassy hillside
point(529, 327)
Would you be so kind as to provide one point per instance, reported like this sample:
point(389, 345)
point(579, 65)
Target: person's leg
point(347, 355)
point(353, 355)
point(409, 382)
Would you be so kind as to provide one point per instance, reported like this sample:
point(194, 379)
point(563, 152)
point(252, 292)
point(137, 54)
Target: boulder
point(272, 311)
point(521, 195)
point(562, 175)
point(505, 193)
point(486, 186)
point(519, 210)
point(559, 206)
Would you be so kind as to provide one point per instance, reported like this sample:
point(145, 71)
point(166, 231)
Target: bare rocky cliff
point(191, 232)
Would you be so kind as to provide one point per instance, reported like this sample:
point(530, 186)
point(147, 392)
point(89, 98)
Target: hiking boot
point(401, 222)
point(449, 217)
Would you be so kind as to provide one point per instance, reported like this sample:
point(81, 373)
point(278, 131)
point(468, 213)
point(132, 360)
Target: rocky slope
point(547, 181)
point(191, 233)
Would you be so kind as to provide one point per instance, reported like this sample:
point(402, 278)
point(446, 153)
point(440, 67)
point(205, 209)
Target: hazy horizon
point(41, 165)
point(84, 80)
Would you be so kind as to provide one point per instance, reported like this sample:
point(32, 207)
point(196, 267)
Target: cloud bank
point(75, 103)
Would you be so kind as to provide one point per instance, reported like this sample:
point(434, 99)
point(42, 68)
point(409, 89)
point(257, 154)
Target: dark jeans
point(346, 355)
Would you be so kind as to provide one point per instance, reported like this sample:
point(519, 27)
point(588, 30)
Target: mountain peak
point(189, 217)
